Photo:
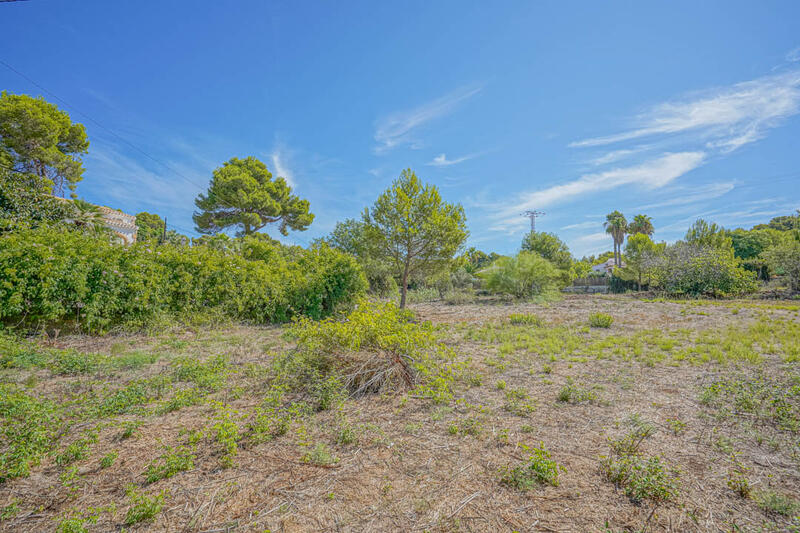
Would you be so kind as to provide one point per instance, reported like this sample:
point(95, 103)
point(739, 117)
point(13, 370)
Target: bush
point(527, 319)
point(703, 270)
point(528, 274)
point(377, 347)
point(539, 469)
point(600, 320)
point(458, 297)
point(66, 278)
point(784, 259)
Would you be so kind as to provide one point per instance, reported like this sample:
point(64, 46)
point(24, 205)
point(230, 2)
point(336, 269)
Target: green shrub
point(144, 508)
point(378, 346)
point(29, 428)
point(539, 469)
point(641, 478)
point(60, 277)
point(776, 503)
point(526, 275)
point(172, 461)
point(422, 295)
point(694, 269)
point(572, 393)
point(459, 296)
point(600, 320)
point(526, 319)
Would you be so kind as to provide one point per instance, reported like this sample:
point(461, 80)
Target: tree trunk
point(404, 287)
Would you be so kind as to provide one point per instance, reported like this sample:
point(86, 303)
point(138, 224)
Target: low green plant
point(539, 469)
point(600, 320)
point(77, 449)
point(642, 478)
point(320, 455)
point(525, 319)
point(226, 433)
point(466, 426)
point(776, 503)
point(519, 402)
point(108, 459)
point(144, 507)
point(574, 394)
point(171, 462)
point(737, 478)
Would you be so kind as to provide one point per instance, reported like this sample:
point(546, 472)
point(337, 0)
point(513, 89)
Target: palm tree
point(617, 227)
point(641, 224)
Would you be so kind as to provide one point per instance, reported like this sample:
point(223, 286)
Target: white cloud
point(601, 236)
point(793, 56)
point(581, 225)
point(615, 155)
point(726, 118)
point(686, 196)
point(442, 161)
point(651, 174)
point(397, 128)
point(279, 167)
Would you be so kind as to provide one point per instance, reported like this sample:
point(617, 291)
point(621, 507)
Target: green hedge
point(57, 277)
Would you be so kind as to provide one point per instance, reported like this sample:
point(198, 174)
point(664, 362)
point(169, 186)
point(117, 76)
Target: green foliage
point(355, 238)
point(526, 275)
point(617, 227)
point(777, 503)
point(376, 347)
point(24, 202)
point(769, 401)
point(108, 459)
point(539, 469)
point(77, 449)
point(51, 276)
point(641, 225)
point(693, 269)
point(600, 320)
point(150, 227)
point(550, 247)
point(526, 319)
point(226, 433)
point(574, 394)
point(243, 194)
point(641, 259)
point(144, 507)
point(171, 462)
point(29, 428)
point(784, 259)
point(703, 233)
point(42, 140)
point(413, 230)
point(641, 478)
point(320, 455)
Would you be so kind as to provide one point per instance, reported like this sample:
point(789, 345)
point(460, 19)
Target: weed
point(108, 459)
point(641, 478)
point(172, 461)
point(538, 469)
point(776, 503)
point(320, 455)
point(144, 507)
point(466, 426)
point(574, 394)
point(676, 426)
point(519, 402)
point(77, 450)
point(500, 385)
point(226, 433)
point(525, 319)
point(600, 320)
point(737, 478)
point(129, 429)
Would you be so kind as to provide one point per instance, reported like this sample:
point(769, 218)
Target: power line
point(533, 215)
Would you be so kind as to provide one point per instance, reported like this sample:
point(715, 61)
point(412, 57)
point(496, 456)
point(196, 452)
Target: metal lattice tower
point(533, 215)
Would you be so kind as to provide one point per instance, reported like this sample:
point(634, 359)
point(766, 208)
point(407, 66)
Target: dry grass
point(392, 462)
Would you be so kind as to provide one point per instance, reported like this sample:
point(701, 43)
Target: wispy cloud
point(279, 165)
point(793, 56)
point(686, 196)
point(616, 155)
point(398, 128)
point(581, 225)
point(652, 174)
point(442, 161)
point(725, 119)
point(591, 238)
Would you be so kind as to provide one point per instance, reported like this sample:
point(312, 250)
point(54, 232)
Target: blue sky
point(675, 109)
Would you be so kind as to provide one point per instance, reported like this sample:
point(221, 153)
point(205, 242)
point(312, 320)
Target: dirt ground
point(417, 466)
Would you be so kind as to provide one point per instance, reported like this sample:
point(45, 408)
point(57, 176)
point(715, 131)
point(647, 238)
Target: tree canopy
point(41, 140)
point(617, 227)
point(244, 195)
point(641, 224)
point(549, 246)
point(414, 229)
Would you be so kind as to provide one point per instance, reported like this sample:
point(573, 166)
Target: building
point(605, 268)
point(121, 224)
